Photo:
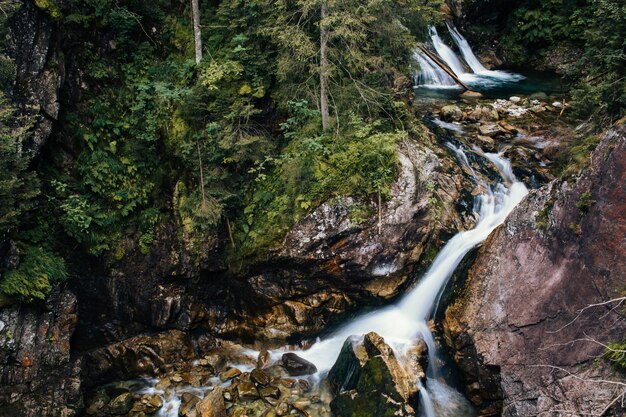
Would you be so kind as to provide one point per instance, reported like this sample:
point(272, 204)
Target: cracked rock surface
point(520, 341)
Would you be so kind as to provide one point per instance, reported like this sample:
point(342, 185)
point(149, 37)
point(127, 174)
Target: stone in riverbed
point(296, 366)
point(148, 404)
point(121, 404)
point(515, 99)
point(247, 391)
point(263, 360)
point(271, 392)
point(451, 113)
point(229, 374)
point(471, 94)
point(212, 405)
point(282, 409)
point(260, 377)
point(491, 130)
point(188, 405)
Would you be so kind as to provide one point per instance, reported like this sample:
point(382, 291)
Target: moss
point(50, 7)
point(616, 354)
point(585, 202)
point(543, 217)
point(577, 155)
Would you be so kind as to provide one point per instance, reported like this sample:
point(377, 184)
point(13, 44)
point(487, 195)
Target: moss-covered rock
point(368, 380)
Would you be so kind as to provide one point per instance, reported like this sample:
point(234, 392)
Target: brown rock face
point(37, 376)
point(329, 262)
point(525, 336)
point(137, 356)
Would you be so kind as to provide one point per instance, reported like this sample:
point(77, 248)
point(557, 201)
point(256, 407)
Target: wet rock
point(263, 360)
point(295, 365)
point(485, 142)
point(197, 377)
point(271, 392)
point(282, 409)
point(260, 377)
point(528, 294)
point(515, 99)
point(483, 113)
point(471, 94)
point(304, 385)
point(121, 404)
point(137, 356)
point(288, 382)
point(491, 130)
point(368, 380)
point(451, 113)
point(188, 404)
point(148, 404)
point(247, 391)
point(96, 404)
point(212, 405)
point(229, 374)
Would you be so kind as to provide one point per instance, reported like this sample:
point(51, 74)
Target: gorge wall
point(529, 330)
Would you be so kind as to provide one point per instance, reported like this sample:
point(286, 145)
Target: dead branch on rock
point(619, 302)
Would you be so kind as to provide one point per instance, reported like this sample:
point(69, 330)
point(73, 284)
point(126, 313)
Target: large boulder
point(368, 380)
point(529, 329)
point(212, 405)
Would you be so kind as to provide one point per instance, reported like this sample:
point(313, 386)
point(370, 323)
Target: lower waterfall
point(406, 321)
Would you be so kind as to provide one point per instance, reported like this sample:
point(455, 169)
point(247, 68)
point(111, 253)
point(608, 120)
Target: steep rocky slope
point(529, 329)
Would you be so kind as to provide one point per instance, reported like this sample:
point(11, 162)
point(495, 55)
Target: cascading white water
point(446, 53)
point(402, 324)
point(466, 50)
point(431, 74)
point(474, 63)
point(479, 76)
point(458, 151)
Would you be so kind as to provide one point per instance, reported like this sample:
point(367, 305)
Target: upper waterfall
point(468, 67)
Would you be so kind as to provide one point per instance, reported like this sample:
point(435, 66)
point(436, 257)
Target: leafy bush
point(39, 270)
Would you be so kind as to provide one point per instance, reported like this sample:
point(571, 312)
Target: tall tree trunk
point(197, 35)
point(324, 68)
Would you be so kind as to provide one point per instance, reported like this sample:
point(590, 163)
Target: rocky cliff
point(38, 375)
point(529, 331)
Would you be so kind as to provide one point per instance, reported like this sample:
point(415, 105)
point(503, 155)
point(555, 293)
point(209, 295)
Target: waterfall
point(431, 74)
point(446, 53)
point(466, 51)
point(401, 324)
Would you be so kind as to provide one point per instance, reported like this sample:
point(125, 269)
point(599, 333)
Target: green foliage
point(18, 186)
point(596, 28)
point(361, 161)
point(575, 156)
point(616, 353)
point(33, 279)
point(585, 202)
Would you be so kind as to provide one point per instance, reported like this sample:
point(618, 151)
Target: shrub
point(38, 271)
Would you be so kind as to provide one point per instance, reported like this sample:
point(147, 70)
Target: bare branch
point(581, 311)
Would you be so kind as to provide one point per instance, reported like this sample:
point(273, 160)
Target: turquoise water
point(498, 87)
